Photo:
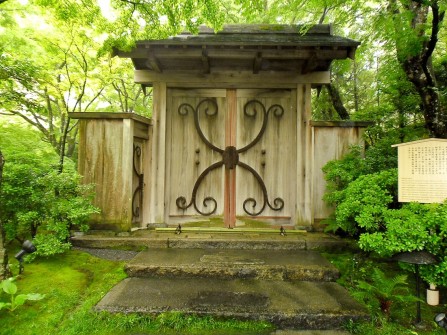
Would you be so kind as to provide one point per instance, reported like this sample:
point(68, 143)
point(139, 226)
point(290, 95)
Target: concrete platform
point(227, 264)
point(297, 304)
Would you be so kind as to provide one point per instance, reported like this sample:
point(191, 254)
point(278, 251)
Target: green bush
point(36, 200)
point(364, 202)
point(367, 208)
point(357, 162)
point(413, 227)
point(340, 172)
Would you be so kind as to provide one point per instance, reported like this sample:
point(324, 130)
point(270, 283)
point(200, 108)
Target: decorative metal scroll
point(230, 156)
point(137, 198)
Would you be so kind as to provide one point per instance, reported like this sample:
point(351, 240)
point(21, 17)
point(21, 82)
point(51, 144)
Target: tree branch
point(438, 18)
point(336, 102)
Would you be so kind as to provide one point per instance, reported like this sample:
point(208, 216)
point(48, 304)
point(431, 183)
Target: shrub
point(36, 200)
point(364, 202)
point(411, 228)
point(367, 208)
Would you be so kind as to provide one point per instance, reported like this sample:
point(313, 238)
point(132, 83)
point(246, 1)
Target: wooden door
point(231, 154)
point(266, 139)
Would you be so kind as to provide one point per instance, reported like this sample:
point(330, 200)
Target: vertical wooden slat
point(304, 157)
point(230, 175)
point(157, 196)
point(308, 157)
point(127, 169)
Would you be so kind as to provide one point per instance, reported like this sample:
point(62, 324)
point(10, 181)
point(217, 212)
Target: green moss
point(74, 282)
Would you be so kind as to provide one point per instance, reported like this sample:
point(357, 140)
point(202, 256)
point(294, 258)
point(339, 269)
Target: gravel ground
point(109, 254)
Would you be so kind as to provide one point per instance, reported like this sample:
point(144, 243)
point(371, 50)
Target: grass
point(74, 283)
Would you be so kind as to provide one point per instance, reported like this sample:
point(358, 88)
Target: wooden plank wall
point(101, 162)
point(331, 140)
point(106, 160)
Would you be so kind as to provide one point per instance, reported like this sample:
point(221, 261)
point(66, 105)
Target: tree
point(3, 254)
point(394, 34)
point(46, 76)
point(417, 23)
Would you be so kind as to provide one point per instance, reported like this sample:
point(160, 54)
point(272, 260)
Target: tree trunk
point(3, 254)
point(336, 102)
point(423, 80)
point(418, 67)
point(66, 128)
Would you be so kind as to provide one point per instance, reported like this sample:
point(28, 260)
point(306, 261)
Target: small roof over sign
point(428, 140)
point(255, 48)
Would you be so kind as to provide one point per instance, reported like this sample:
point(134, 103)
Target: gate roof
point(254, 48)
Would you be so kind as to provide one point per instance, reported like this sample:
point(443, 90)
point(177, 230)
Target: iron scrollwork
point(230, 155)
point(137, 198)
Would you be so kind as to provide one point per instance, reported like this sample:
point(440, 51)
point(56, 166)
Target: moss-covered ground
point(75, 281)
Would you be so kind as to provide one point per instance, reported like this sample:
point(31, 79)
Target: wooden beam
point(205, 62)
point(246, 53)
point(257, 62)
point(231, 79)
point(310, 64)
point(153, 63)
point(110, 116)
point(347, 124)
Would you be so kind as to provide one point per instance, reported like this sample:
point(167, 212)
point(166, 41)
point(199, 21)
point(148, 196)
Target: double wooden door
point(231, 153)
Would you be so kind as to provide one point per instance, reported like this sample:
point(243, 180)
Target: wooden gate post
point(111, 146)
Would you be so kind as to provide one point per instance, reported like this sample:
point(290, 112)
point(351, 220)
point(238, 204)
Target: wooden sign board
point(422, 171)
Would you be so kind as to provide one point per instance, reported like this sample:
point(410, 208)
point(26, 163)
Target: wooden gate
point(231, 153)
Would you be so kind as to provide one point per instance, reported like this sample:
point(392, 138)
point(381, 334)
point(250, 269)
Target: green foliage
point(358, 275)
point(36, 200)
point(367, 207)
point(380, 293)
point(16, 300)
point(339, 173)
point(365, 201)
point(357, 162)
point(358, 192)
point(411, 228)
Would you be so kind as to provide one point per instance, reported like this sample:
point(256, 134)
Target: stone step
point(286, 304)
point(141, 239)
point(227, 264)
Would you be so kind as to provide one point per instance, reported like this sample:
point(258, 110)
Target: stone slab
point(216, 263)
point(150, 239)
point(297, 304)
